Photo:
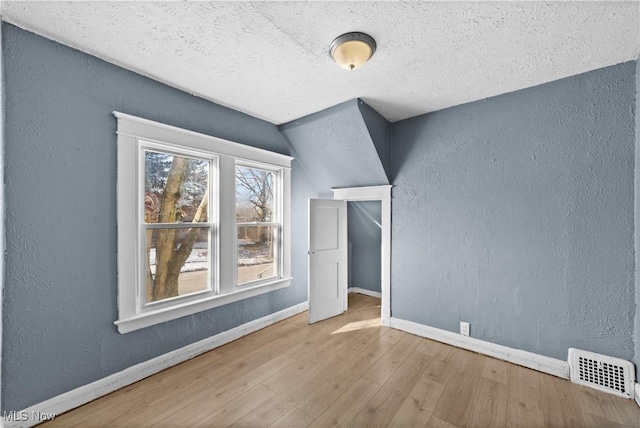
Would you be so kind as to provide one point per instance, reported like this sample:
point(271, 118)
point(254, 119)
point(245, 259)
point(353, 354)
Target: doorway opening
point(381, 194)
point(364, 231)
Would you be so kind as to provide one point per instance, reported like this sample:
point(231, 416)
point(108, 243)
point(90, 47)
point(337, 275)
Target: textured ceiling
point(270, 59)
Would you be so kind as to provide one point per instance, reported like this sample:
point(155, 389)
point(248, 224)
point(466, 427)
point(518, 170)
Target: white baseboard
point(84, 394)
point(637, 394)
point(538, 362)
point(365, 292)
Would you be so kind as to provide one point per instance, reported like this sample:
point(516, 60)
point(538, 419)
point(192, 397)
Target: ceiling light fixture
point(352, 50)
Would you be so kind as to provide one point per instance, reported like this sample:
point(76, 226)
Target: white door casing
point(382, 194)
point(327, 258)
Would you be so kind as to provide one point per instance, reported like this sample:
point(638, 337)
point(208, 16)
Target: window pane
point(254, 195)
point(256, 249)
point(177, 262)
point(176, 188)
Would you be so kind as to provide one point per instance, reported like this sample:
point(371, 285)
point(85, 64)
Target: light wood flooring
point(350, 371)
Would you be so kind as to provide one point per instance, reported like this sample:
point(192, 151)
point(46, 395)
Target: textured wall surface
point(365, 236)
point(60, 282)
point(335, 148)
point(380, 133)
point(516, 214)
point(2, 203)
point(636, 359)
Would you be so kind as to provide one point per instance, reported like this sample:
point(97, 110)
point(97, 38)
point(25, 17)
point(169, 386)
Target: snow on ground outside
point(199, 260)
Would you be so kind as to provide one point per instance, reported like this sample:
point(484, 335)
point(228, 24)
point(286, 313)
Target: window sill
point(149, 318)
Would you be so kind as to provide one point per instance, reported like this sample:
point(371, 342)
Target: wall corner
point(636, 225)
point(2, 205)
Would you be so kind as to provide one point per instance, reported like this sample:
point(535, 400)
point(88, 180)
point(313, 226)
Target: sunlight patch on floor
point(359, 325)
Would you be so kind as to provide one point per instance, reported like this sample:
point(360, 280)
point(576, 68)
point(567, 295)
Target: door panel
point(327, 258)
point(326, 228)
point(327, 274)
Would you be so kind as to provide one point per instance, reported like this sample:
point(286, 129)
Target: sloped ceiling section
point(380, 132)
point(335, 149)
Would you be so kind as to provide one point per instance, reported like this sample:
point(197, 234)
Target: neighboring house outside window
point(202, 222)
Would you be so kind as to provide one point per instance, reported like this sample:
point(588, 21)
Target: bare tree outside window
point(257, 229)
point(177, 258)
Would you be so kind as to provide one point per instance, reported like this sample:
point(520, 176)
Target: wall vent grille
point(607, 374)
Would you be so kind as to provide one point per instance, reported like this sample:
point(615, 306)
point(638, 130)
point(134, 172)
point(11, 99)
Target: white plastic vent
point(607, 374)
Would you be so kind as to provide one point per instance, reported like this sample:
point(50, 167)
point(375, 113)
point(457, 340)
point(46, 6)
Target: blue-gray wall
point(60, 280)
point(516, 214)
point(365, 236)
point(637, 225)
point(2, 235)
point(380, 134)
point(335, 149)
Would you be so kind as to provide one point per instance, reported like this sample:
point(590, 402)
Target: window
point(177, 225)
point(202, 222)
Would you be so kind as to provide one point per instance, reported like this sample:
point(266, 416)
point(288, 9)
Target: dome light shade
point(352, 50)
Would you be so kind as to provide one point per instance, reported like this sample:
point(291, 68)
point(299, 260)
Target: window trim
point(277, 220)
point(132, 129)
point(144, 145)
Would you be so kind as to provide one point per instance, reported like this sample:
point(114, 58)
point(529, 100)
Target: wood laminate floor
point(350, 371)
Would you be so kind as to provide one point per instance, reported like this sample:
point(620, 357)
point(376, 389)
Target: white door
point(327, 258)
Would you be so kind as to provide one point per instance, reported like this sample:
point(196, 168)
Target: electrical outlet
point(464, 328)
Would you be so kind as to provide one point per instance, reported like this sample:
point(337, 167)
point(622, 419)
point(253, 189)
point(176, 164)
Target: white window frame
point(212, 223)
point(133, 133)
point(277, 217)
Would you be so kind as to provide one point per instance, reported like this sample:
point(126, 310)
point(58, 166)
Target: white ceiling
point(270, 59)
